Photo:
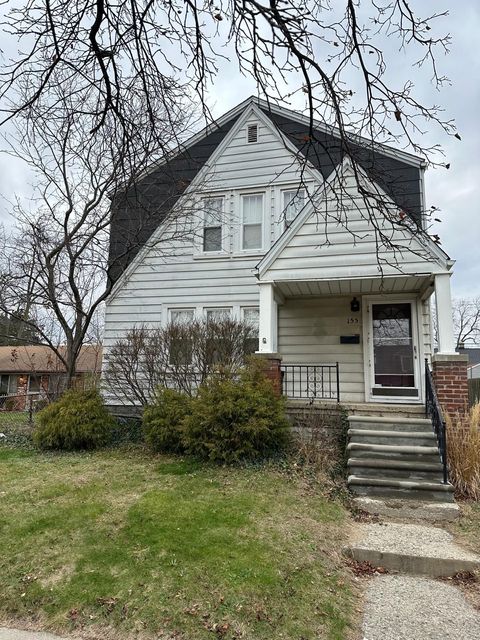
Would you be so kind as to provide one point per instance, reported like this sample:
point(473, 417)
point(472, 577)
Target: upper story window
point(212, 224)
point(252, 133)
point(252, 221)
point(293, 200)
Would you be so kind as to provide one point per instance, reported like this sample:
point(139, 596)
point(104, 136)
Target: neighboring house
point(473, 353)
point(238, 223)
point(35, 371)
point(473, 371)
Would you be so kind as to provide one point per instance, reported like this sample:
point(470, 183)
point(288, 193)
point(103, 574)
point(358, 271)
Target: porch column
point(443, 300)
point(268, 335)
point(449, 368)
point(268, 319)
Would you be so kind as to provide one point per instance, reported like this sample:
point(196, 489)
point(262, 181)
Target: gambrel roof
point(139, 212)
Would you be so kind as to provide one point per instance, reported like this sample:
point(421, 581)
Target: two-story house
point(322, 247)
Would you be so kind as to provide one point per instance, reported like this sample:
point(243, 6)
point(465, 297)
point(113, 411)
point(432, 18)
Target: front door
point(393, 351)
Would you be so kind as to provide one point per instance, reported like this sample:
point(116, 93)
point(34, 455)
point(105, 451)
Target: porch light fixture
point(354, 305)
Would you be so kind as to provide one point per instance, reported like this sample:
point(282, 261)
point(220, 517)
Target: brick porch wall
point(451, 382)
point(272, 367)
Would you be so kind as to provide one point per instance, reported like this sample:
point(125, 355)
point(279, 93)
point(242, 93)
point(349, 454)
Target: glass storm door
point(394, 350)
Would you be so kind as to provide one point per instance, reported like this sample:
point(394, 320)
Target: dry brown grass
point(463, 442)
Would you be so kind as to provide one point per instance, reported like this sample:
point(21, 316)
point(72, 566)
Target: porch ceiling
point(396, 284)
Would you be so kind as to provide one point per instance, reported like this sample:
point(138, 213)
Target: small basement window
point(252, 133)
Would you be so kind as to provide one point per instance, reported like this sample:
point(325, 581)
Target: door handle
point(415, 351)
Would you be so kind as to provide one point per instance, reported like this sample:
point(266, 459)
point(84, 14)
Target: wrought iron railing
point(311, 381)
point(434, 412)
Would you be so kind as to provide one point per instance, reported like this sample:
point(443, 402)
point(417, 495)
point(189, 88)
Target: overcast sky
point(456, 191)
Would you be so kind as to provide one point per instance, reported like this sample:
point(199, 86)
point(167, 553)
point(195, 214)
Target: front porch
point(355, 340)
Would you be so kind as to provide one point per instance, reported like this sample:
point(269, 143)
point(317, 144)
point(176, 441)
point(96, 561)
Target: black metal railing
point(434, 412)
point(311, 381)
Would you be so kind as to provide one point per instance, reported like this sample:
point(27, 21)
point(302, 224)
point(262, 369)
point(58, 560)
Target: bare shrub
point(463, 446)
point(181, 356)
point(320, 442)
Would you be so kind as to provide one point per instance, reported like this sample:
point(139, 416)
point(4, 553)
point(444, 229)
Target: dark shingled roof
point(139, 211)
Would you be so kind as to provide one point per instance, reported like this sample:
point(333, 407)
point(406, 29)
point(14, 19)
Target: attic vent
point(252, 133)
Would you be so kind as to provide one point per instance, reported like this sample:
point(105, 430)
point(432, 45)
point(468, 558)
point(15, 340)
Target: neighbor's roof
point(42, 359)
point(473, 354)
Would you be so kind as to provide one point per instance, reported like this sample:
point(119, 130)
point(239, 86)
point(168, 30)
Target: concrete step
point(376, 409)
point(401, 469)
point(413, 510)
point(416, 438)
point(390, 423)
point(392, 452)
point(401, 488)
point(411, 548)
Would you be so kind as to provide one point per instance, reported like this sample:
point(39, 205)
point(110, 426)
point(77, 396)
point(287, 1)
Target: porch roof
point(421, 283)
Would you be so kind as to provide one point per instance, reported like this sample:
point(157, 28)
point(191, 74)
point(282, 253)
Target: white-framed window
point(293, 200)
point(34, 383)
point(180, 348)
point(217, 345)
point(251, 317)
point(216, 314)
point(182, 316)
point(213, 213)
point(252, 221)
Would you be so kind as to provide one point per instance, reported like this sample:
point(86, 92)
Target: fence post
point(30, 410)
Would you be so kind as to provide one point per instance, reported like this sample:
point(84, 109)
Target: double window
point(252, 221)
point(212, 224)
point(293, 200)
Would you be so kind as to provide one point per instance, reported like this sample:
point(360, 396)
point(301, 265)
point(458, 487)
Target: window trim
point(217, 308)
point(283, 190)
point(182, 308)
point(242, 250)
point(222, 225)
point(242, 318)
point(170, 320)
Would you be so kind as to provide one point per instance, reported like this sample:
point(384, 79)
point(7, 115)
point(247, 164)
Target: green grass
point(13, 418)
point(168, 548)
point(467, 527)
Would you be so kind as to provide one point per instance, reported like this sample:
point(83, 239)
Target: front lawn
point(120, 542)
point(14, 419)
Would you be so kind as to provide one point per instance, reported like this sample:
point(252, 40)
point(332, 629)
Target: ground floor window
point(251, 316)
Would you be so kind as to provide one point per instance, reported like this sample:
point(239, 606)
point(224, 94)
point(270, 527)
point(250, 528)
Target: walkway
point(410, 602)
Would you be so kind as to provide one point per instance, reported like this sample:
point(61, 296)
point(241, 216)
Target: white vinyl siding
point(252, 221)
point(348, 248)
point(309, 331)
point(177, 277)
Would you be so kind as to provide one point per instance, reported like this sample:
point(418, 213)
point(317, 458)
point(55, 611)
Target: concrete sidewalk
point(417, 608)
